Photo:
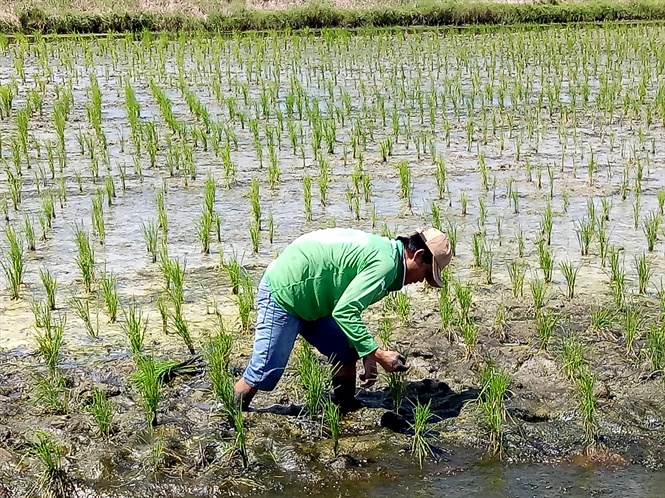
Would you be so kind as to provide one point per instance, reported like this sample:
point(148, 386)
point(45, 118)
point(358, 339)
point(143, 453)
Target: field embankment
point(101, 16)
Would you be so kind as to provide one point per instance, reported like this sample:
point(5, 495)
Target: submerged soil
point(545, 448)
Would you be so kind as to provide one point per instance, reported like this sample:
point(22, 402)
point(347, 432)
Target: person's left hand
point(370, 374)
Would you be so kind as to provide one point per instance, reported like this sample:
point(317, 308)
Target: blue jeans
point(276, 332)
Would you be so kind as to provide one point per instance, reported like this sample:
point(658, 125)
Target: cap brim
point(434, 278)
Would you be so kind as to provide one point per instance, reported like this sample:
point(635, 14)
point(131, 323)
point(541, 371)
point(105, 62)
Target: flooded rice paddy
point(539, 151)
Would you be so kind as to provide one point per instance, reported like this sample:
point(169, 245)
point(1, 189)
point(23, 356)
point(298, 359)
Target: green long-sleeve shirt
point(337, 272)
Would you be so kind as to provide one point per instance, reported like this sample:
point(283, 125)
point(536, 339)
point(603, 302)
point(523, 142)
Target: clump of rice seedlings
point(49, 342)
point(110, 292)
point(470, 335)
point(602, 320)
point(539, 294)
point(53, 480)
point(29, 232)
point(570, 274)
point(324, 180)
point(584, 231)
point(81, 308)
point(236, 273)
point(546, 260)
point(501, 321)
point(135, 327)
point(150, 238)
point(315, 379)
point(446, 312)
point(51, 393)
point(520, 243)
point(464, 299)
point(181, 329)
point(98, 224)
point(632, 324)
point(332, 415)
point(495, 383)
point(440, 176)
point(655, 346)
point(661, 200)
point(50, 284)
point(85, 258)
point(246, 301)
point(162, 308)
point(515, 197)
point(162, 215)
point(606, 204)
point(254, 235)
point(307, 196)
point(406, 187)
point(545, 323)
point(402, 306)
point(13, 264)
point(603, 241)
point(255, 200)
point(488, 263)
point(651, 228)
point(397, 386)
point(546, 224)
point(463, 202)
point(385, 332)
point(204, 230)
point(586, 383)
point(478, 246)
point(102, 411)
point(436, 216)
point(147, 383)
point(420, 446)
point(644, 272)
point(217, 351)
point(572, 356)
point(636, 211)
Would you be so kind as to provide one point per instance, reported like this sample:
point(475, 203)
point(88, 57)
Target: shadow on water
point(445, 403)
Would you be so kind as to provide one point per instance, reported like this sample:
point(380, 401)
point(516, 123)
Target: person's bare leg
point(344, 388)
point(244, 393)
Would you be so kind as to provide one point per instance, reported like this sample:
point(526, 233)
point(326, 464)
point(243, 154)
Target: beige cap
point(439, 245)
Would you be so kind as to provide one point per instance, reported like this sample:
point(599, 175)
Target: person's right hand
point(390, 361)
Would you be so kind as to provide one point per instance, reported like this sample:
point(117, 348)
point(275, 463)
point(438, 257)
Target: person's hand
point(370, 374)
point(390, 361)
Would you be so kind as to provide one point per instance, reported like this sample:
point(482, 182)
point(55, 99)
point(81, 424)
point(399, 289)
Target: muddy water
point(289, 454)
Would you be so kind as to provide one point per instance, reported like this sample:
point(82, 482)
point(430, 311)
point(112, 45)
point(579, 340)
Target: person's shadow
point(444, 403)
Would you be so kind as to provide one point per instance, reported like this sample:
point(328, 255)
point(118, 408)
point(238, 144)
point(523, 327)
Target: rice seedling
point(147, 383)
point(13, 264)
point(271, 228)
point(478, 246)
point(182, 330)
point(520, 243)
point(546, 321)
point(633, 321)
point(584, 230)
point(644, 269)
point(464, 299)
point(85, 258)
point(636, 212)
point(570, 274)
point(651, 228)
point(29, 232)
point(661, 200)
point(463, 202)
point(315, 379)
point(602, 320)
point(49, 343)
point(539, 294)
point(332, 415)
point(135, 327)
point(572, 356)
point(98, 224)
point(150, 238)
point(50, 284)
point(51, 393)
point(109, 286)
point(204, 230)
point(451, 233)
point(470, 336)
point(102, 411)
point(245, 297)
point(546, 260)
point(81, 308)
point(420, 446)
point(546, 224)
point(307, 196)
point(53, 481)
point(587, 405)
point(655, 346)
point(495, 384)
point(254, 235)
point(488, 264)
point(406, 187)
